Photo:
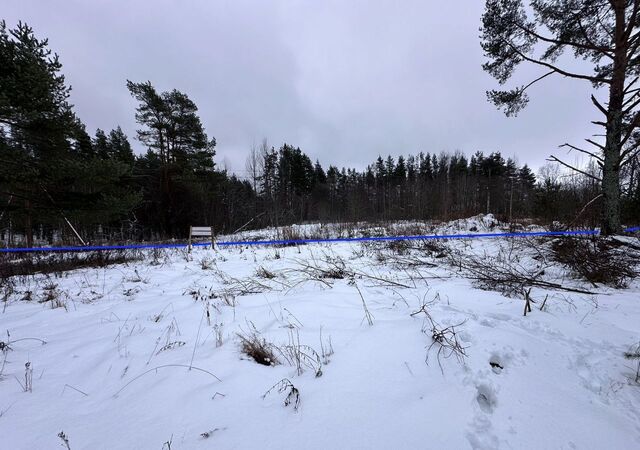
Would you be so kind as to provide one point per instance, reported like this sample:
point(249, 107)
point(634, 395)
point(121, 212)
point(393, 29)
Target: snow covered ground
point(114, 372)
point(481, 223)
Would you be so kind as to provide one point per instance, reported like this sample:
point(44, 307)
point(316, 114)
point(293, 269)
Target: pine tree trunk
point(611, 185)
point(611, 167)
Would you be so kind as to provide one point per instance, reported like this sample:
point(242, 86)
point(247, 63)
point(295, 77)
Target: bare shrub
point(232, 288)
point(158, 257)
point(287, 234)
point(597, 260)
point(209, 433)
point(265, 273)
point(333, 268)
point(207, 263)
point(28, 378)
point(170, 346)
point(16, 264)
point(634, 354)
point(444, 339)
point(504, 273)
point(326, 349)
point(293, 394)
point(166, 340)
point(6, 347)
point(257, 348)
point(52, 295)
point(7, 290)
point(435, 248)
point(447, 342)
point(399, 247)
point(218, 331)
point(367, 314)
point(299, 355)
point(65, 440)
point(136, 278)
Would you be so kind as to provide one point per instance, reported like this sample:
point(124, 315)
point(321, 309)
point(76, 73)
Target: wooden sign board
point(201, 232)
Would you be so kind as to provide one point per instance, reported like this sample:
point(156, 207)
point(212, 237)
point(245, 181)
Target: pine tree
point(602, 33)
point(172, 129)
point(119, 147)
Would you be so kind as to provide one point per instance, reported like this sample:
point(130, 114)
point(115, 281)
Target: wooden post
point(190, 231)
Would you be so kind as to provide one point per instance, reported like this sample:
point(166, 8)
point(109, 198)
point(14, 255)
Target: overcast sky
point(344, 80)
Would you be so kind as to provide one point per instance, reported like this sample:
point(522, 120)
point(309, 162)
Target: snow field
point(114, 372)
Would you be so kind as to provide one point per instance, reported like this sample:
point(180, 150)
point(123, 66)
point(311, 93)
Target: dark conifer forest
point(60, 182)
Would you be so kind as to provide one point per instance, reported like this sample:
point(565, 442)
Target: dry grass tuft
point(257, 348)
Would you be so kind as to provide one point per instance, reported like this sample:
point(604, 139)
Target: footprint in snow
point(497, 366)
point(487, 397)
point(480, 434)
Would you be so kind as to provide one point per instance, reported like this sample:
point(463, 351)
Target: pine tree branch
point(635, 103)
point(586, 36)
point(604, 50)
point(604, 27)
point(558, 70)
point(573, 147)
point(633, 44)
point(628, 89)
point(629, 154)
point(600, 146)
point(536, 80)
point(632, 19)
point(598, 105)
point(635, 122)
point(552, 158)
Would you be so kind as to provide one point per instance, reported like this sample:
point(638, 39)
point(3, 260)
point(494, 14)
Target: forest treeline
point(58, 182)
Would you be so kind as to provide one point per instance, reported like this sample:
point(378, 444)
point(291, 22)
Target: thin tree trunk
point(28, 224)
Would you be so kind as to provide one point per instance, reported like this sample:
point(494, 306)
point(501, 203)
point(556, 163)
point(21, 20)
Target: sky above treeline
point(343, 80)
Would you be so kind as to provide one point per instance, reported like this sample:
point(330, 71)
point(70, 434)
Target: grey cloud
point(344, 80)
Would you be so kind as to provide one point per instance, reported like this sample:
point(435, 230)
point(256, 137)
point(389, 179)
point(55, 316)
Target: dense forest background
point(59, 183)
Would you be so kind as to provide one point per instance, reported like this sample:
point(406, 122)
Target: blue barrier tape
point(310, 241)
